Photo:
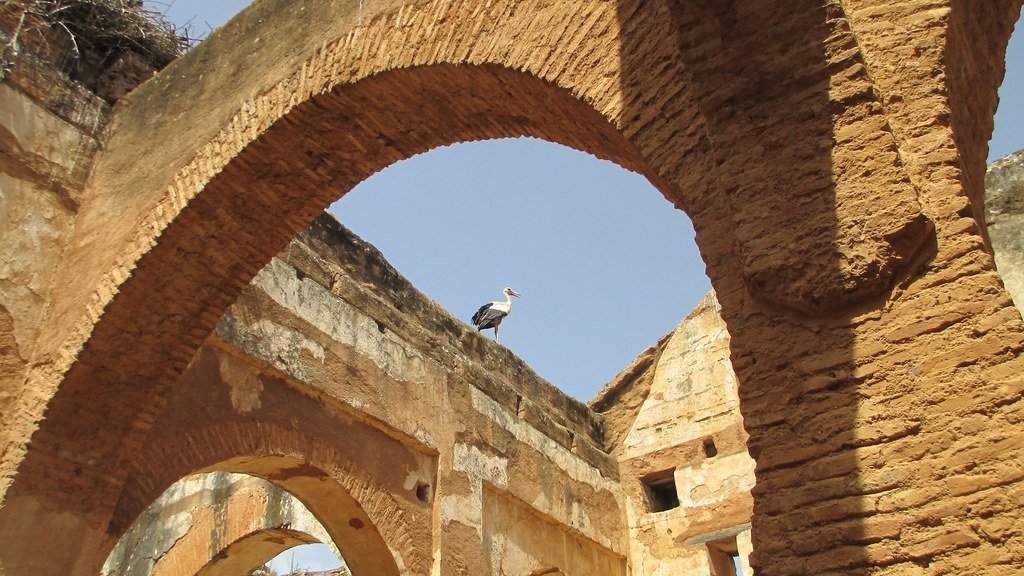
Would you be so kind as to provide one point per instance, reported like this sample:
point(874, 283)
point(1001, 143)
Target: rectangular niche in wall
point(522, 540)
point(661, 491)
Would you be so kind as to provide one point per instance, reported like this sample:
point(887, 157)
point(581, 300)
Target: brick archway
point(214, 523)
point(244, 553)
point(372, 531)
point(829, 235)
point(236, 527)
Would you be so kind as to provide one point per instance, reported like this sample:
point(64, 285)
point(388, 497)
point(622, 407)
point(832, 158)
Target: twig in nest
point(101, 30)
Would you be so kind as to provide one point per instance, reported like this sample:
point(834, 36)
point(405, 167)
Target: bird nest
point(87, 37)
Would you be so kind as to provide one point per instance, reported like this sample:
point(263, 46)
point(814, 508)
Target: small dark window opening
point(423, 492)
point(661, 491)
point(710, 450)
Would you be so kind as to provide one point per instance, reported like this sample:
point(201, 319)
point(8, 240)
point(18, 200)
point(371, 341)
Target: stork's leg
point(495, 332)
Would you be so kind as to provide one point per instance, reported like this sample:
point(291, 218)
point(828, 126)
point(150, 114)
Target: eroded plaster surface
point(688, 429)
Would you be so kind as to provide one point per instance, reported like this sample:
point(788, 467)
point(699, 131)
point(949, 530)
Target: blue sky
point(605, 265)
point(1008, 136)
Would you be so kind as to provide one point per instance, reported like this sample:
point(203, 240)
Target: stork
point(490, 315)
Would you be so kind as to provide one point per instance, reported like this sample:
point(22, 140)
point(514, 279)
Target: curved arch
point(219, 522)
point(294, 144)
point(239, 526)
point(243, 554)
point(373, 532)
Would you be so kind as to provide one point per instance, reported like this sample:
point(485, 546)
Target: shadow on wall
point(754, 173)
point(779, 106)
point(808, 219)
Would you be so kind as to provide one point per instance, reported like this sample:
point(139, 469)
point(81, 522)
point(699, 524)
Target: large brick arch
point(834, 243)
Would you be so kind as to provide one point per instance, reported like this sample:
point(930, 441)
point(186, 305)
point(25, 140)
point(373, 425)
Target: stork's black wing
point(487, 316)
point(480, 314)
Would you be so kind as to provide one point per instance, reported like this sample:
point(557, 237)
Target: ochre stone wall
point(829, 154)
point(687, 427)
point(50, 130)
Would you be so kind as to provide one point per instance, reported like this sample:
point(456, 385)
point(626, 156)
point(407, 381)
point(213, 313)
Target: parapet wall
point(337, 259)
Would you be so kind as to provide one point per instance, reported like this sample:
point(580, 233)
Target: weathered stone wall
point(50, 130)
point(329, 291)
point(1004, 212)
point(688, 427)
point(490, 469)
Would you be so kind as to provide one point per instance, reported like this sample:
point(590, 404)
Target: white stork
point(491, 315)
